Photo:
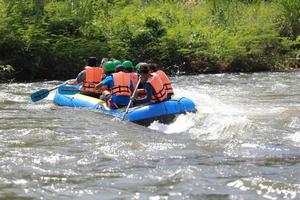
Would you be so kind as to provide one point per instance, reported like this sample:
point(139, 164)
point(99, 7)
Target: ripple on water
point(243, 143)
point(294, 138)
point(258, 150)
point(40, 106)
point(266, 188)
point(220, 127)
point(294, 122)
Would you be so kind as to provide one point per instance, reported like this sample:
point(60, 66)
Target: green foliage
point(51, 39)
point(290, 17)
point(6, 68)
point(6, 73)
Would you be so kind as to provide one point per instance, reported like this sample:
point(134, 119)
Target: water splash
point(268, 189)
point(213, 120)
point(295, 138)
point(181, 124)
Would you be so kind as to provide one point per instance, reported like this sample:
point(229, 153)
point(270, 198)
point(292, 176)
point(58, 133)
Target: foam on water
point(51, 95)
point(39, 106)
point(295, 122)
point(295, 138)
point(243, 143)
point(219, 126)
point(14, 93)
point(13, 98)
point(269, 189)
point(4, 96)
point(278, 86)
point(181, 124)
point(213, 120)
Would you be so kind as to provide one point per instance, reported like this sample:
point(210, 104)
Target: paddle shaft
point(55, 87)
point(72, 90)
point(130, 102)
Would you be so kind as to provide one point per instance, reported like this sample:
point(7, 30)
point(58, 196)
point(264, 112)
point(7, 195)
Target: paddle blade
point(41, 94)
point(69, 89)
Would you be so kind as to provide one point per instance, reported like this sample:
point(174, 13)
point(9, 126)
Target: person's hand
point(97, 86)
point(71, 82)
point(133, 102)
point(135, 95)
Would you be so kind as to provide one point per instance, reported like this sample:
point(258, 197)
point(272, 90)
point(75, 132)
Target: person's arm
point(72, 82)
point(99, 85)
point(146, 99)
point(131, 86)
point(79, 79)
point(107, 81)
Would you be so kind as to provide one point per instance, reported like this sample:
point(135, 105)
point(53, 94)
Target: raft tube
point(163, 112)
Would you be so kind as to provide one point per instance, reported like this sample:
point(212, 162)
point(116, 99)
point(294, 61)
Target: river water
point(243, 143)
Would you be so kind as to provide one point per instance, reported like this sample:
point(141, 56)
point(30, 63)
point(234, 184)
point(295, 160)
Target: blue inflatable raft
point(164, 112)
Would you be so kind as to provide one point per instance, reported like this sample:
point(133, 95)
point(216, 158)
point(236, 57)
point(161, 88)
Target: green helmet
point(117, 62)
point(138, 66)
point(127, 64)
point(109, 66)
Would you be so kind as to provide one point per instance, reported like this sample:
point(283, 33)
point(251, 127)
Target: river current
point(243, 143)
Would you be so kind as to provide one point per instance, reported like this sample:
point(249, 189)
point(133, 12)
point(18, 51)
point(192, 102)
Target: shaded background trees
point(50, 39)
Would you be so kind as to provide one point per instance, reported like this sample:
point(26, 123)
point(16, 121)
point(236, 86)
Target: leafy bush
point(52, 39)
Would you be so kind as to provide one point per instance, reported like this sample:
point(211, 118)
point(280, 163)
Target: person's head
point(152, 67)
point(138, 66)
point(92, 61)
point(120, 68)
point(117, 62)
point(144, 71)
point(128, 65)
point(109, 67)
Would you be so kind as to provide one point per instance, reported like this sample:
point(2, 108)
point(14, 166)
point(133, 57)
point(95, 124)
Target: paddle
point(43, 93)
point(131, 98)
point(70, 91)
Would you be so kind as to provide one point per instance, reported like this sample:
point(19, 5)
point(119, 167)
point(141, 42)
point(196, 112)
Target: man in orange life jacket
point(89, 77)
point(153, 86)
point(141, 89)
point(119, 85)
point(129, 69)
point(164, 78)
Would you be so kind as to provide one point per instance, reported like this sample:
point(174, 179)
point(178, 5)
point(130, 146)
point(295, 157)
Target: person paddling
point(164, 78)
point(89, 77)
point(130, 69)
point(119, 86)
point(155, 90)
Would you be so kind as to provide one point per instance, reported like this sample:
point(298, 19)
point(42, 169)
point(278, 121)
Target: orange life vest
point(159, 93)
point(166, 81)
point(93, 76)
point(135, 78)
point(121, 84)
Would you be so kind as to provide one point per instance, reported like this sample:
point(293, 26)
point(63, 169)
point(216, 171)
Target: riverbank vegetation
point(50, 39)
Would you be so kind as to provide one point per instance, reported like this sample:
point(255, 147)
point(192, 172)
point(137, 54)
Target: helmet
point(109, 66)
point(138, 66)
point(128, 64)
point(117, 62)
